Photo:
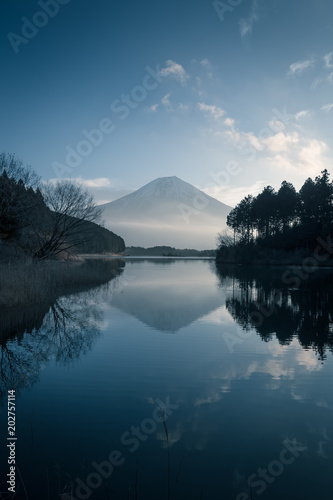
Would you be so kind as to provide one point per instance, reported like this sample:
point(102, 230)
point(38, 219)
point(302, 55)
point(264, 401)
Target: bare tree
point(224, 239)
point(15, 169)
point(71, 209)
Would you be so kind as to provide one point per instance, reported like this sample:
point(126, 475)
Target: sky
point(229, 96)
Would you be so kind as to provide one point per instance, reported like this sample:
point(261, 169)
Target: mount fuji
point(167, 211)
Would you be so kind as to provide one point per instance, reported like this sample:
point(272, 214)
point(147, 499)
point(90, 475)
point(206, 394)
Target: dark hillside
point(26, 223)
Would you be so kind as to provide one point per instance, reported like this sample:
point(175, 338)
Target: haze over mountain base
point(167, 211)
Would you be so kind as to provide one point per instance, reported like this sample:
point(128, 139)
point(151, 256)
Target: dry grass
point(29, 282)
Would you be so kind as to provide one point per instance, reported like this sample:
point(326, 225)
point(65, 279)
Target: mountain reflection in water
point(108, 357)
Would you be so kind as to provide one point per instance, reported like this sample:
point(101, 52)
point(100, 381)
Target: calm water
point(241, 363)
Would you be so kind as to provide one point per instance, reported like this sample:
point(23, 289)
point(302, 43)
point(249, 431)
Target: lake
point(174, 380)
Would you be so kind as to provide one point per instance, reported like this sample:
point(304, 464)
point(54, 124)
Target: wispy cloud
point(246, 24)
point(229, 122)
point(152, 108)
point(166, 100)
point(240, 139)
point(302, 114)
point(316, 82)
point(300, 66)
point(327, 108)
point(232, 195)
point(327, 66)
point(206, 63)
point(328, 58)
point(176, 71)
point(215, 111)
point(307, 156)
point(281, 142)
point(98, 183)
point(289, 151)
point(312, 155)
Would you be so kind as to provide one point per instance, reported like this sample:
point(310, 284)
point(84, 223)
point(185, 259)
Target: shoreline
point(271, 264)
point(29, 282)
point(119, 256)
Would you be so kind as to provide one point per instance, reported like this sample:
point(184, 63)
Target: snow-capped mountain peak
point(167, 211)
point(166, 187)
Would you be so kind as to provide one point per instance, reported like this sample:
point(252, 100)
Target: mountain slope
point(167, 211)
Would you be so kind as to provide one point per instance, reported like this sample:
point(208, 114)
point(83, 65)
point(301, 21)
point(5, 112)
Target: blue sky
point(241, 97)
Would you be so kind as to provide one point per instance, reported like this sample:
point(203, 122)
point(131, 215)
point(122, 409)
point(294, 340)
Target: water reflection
point(172, 301)
point(61, 329)
point(260, 299)
point(235, 411)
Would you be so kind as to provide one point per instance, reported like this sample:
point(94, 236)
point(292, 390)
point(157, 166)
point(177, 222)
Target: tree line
point(48, 220)
point(284, 219)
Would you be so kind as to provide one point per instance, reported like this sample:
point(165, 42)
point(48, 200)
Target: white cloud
point(280, 142)
point(152, 108)
point(165, 100)
point(232, 195)
point(206, 63)
point(240, 139)
point(254, 140)
point(327, 108)
point(98, 183)
point(246, 25)
point(302, 114)
point(176, 71)
point(215, 111)
point(328, 58)
point(183, 107)
point(282, 162)
point(305, 156)
point(208, 66)
point(309, 360)
point(312, 153)
point(292, 151)
point(233, 136)
point(229, 122)
point(316, 82)
point(299, 66)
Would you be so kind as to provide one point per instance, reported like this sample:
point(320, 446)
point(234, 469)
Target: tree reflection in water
point(61, 329)
point(305, 312)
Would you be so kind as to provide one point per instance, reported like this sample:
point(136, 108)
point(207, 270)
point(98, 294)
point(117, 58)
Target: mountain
point(167, 211)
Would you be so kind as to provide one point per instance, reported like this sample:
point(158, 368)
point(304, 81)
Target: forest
point(46, 221)
point(166, 251)
point(283, 225)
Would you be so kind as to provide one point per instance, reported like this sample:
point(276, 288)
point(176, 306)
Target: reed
point(29, 282)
